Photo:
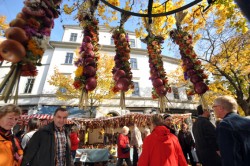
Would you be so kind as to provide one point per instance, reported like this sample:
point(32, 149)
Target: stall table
point(93, 155)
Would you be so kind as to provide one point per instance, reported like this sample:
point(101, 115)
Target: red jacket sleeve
point(144, 157)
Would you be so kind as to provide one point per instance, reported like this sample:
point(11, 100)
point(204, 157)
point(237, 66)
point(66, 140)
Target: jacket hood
point(161, 133)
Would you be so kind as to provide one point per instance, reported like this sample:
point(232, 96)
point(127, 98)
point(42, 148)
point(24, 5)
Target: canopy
point(109, 122)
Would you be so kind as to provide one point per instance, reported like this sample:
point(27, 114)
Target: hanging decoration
point(103, 123)
point(122, 74)
point(192, 68)
point(85, 74)
point(27, 39)
point(157, 73)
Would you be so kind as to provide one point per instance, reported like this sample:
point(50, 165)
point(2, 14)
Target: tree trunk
point(244, 105)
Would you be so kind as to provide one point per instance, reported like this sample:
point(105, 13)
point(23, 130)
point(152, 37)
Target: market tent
point(108, 122)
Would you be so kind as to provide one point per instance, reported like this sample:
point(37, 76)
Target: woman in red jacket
point(123, 147)
point(74, 140)
point(161, 148)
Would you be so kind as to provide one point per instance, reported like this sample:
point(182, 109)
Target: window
point(176, 93)
point(29, 85)
point(62, 90)
point(112, 41)
point(68, 58)
point(73, 37)
point(132, 42)
point(133, 63)
point(189, 97)
point(136, 91)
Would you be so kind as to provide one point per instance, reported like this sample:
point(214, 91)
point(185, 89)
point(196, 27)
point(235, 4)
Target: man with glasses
point(233, 133)
point(205, 139)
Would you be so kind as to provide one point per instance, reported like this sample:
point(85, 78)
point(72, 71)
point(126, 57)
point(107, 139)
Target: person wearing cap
point(205, 139)
point(168, 120)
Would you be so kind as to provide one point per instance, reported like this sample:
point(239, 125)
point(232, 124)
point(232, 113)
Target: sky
point(10, 8)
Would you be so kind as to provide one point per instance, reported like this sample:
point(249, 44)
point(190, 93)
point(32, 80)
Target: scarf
point(16, 148)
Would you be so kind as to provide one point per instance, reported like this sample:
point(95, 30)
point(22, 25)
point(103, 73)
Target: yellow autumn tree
point(3, 24)
point(66, 91)
point(221, 10)
point(230, 68)
point(226, 57)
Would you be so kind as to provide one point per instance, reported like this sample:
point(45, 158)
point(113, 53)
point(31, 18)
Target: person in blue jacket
point(233, 133)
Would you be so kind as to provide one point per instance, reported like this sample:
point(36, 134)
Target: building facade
point(35, 93)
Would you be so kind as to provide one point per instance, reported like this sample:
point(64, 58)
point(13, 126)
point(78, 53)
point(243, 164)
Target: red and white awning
point(38, 116)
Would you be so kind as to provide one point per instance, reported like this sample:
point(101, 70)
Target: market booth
point(98, 136)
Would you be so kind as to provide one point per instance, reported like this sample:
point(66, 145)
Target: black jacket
point(233, 135)
point(205, 142)
point(40, 150)
point(186, 140)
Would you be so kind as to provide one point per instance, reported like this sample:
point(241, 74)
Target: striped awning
point(43, 117)
point(38, 116)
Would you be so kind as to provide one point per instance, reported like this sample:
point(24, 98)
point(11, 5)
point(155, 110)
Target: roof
point(102, 28)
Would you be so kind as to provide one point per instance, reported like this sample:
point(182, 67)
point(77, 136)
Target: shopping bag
point(195, 157)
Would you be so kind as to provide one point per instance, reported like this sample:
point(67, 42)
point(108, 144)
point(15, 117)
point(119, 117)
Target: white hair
point(125, 129)
point(228, 102)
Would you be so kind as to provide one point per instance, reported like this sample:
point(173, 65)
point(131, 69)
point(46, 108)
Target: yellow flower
point(79, 71)
point(34, 48)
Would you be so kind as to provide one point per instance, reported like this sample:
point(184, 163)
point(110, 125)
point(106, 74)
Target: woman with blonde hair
point(161, 147)
point(10, 149)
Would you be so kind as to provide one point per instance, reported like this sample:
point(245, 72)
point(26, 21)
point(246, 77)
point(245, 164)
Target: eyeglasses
point(214, 106)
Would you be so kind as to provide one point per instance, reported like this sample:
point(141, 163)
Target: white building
point(36, 93)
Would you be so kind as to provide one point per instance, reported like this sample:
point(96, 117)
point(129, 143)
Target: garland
point(157, 72)
point(191, 66)
point(85, 74)
point(27, 40)
point(122, 74)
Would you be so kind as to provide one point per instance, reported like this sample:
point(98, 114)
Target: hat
point(166, 116)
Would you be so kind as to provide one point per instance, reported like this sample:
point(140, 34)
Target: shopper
point(10, 149)
point(50, 145)
point(161, 148)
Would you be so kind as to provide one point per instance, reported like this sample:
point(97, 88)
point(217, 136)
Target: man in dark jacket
point(187, 142)
point(233, 133)
point(205, 139)
point(50, 145)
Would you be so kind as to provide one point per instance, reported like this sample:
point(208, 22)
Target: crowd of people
point(227, 144)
